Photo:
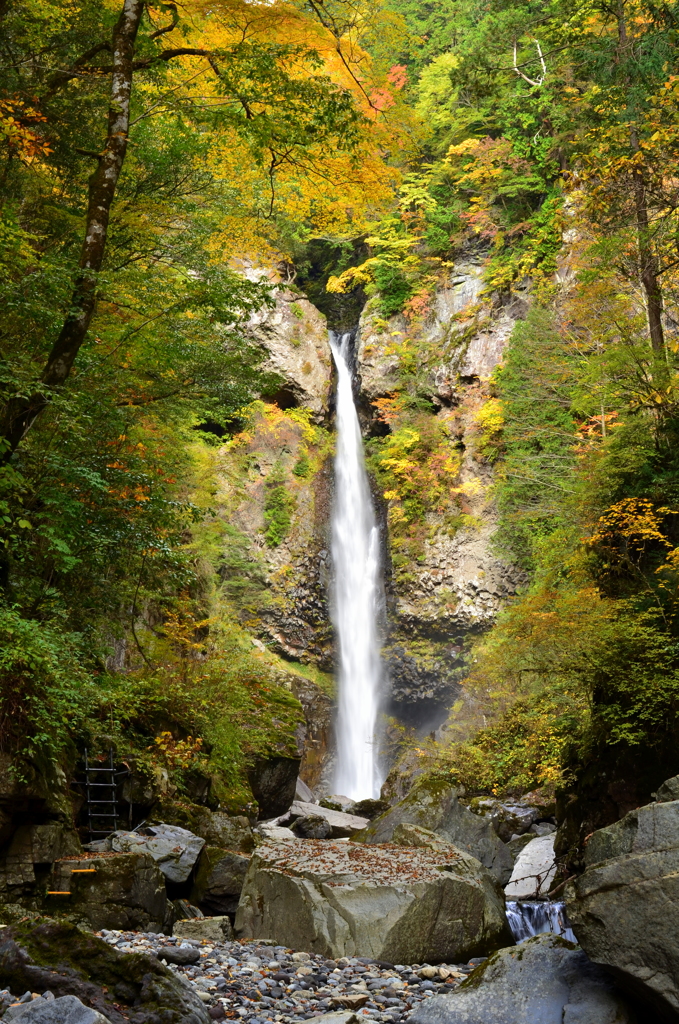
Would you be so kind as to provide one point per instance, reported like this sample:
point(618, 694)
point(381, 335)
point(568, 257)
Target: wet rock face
point(455, 583)
point(294, 335)
point(624, 908)
point(340, 899)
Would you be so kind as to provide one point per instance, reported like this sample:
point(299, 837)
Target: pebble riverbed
point(257, 982)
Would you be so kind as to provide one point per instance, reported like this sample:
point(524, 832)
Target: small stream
point(527, 919)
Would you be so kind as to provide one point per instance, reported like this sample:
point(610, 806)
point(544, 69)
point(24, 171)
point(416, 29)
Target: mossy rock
point(219, 880)
point(60, 957)
point(126, 891)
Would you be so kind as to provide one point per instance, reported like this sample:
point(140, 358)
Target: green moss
point(302, 467)
point(279, 505)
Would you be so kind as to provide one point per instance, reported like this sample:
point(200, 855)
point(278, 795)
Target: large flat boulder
point(175, 850)
point(401, 905)
point(125, 891)
point(435, 806)
point(342, 825)
point(624, 908)
point(543, 981)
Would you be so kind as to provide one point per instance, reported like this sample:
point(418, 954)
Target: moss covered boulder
point(219, 880)
point(56, 956)
point(117, 890)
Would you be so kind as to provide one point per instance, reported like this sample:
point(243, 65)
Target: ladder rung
point(57, 892)
point(84, 871)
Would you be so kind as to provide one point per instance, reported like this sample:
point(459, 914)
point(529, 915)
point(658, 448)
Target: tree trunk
point(21, 413)
point(648, 264)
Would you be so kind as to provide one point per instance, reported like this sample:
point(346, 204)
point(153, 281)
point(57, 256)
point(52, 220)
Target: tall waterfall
point(355, 550)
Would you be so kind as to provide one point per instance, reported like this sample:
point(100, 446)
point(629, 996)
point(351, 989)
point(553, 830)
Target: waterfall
point(356, 558)
point(528, 919)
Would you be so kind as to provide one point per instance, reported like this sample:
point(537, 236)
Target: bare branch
point(520, 73)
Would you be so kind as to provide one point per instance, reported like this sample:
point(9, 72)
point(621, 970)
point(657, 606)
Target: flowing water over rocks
point(527, 919)
point(356, 556)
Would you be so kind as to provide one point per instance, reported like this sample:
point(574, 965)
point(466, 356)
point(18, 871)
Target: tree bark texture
point(21, 413)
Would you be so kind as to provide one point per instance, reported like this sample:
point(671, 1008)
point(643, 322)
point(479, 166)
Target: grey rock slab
point(174, 849)
point(394, 905)
point(624, 908)
point(303, 793)
point(64, 1010)
point(343, 825)
point(435, 806)
point(543, 981)
point(534, 870)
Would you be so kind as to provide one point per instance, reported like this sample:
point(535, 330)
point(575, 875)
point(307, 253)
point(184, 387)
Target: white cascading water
point(528, 918)
point(356, 557)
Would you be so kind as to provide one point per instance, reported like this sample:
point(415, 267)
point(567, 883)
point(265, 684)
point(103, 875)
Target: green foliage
point(535, 386)
point(279, 505)
point(302, 467)
point(394, 288)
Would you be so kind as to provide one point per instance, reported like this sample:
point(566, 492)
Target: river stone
point(543, 981)
point(534, 871)
point(342, 825)
point(382, 902)
point(174, 849)
point(219, 881)
point(127, 891)
point(64, 1010)
point(624, 908)
point(435, 806)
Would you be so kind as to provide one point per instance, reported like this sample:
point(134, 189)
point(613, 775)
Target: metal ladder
point(100, 796)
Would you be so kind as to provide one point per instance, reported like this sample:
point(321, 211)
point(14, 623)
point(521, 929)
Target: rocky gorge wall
point(274, 482)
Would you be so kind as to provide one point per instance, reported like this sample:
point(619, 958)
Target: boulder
point(125, 891)
point(219, 880)
point(212, 929)
point(181, 956)
point(342, 825)
point(624, 908)
point(435, 806)
point(668, 791)
point(312, 826)
point(229, 832)
point(275, 833)
point(64, 1010)
point(58, 957)
point(508, 819)
point(534, 870)
point(543, 981)
point(273, 781)
point(382, 902)
point(175, 850)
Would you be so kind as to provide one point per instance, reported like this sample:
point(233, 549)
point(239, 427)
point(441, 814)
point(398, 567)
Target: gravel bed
point(259, 982)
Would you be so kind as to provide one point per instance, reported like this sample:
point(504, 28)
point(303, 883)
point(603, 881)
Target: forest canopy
point(153, 158)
